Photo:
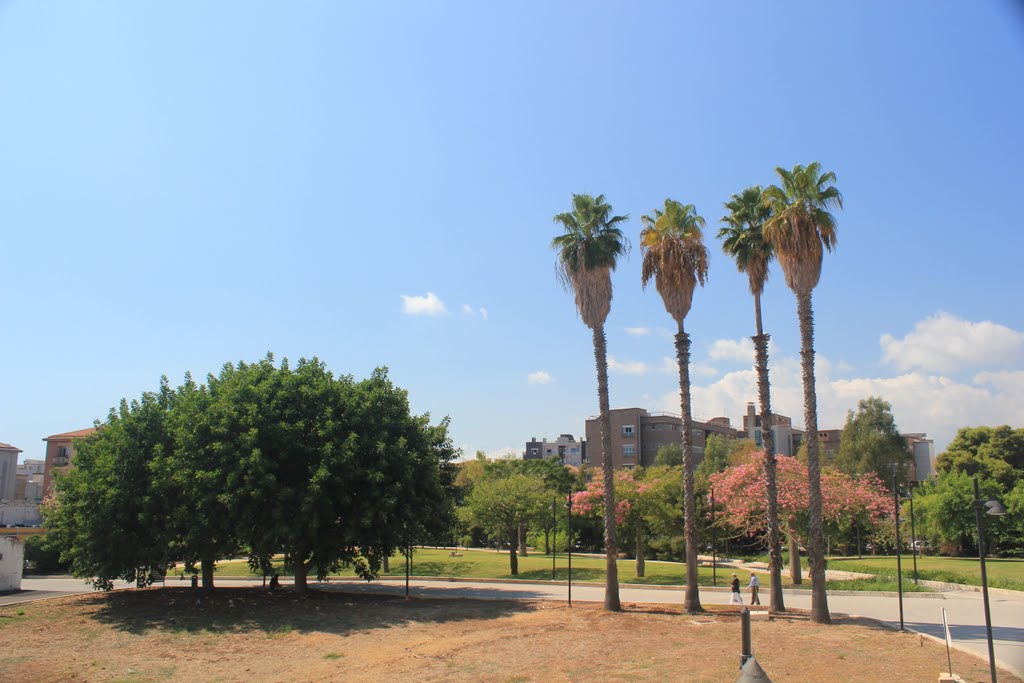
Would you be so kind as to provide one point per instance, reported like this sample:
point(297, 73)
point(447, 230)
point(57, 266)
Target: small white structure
point(12, 562)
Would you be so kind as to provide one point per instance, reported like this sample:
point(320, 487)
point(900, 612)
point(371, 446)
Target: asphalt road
point(921, 611)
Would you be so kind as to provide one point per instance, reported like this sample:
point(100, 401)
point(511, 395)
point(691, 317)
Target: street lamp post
point(714, 544)
point(899, 564)
point(995, 508)
point(913, 534)
point(554, 534)
point(568, 543)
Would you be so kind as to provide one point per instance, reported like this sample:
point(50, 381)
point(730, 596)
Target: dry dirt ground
point(247, 634)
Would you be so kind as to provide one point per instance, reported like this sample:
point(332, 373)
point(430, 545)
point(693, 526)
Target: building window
point(628, 451)
point(533, 451)
point(627, 430)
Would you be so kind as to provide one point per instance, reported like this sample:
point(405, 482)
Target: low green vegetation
point(488, 564)
point(966, 570)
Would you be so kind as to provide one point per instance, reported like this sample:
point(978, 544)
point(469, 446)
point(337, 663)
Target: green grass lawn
point(966, 570)
point(487, 564)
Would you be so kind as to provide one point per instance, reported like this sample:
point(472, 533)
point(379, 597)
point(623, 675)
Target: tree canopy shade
point(587, 254)
point(328, 471)
point(992, 452)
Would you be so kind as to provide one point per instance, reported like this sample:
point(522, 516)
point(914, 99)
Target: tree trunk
point(815, 549)
point(387, 564)
point(513, 561)
point(691, 601)
point(522, 540)
point(207, 568)
point(301, 571)
point(611, 546)
point(776, 601)
point(547, 542)
point(794, 555)
point(641, 564)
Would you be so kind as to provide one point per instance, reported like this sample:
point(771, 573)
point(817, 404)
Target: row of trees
point(790, 221)
point(943, 505)
point(262, 459)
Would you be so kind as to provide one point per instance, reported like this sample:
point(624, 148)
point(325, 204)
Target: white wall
point(20, 513)
point(12, 561)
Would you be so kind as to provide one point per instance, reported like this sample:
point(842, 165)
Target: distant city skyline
point(188, 184)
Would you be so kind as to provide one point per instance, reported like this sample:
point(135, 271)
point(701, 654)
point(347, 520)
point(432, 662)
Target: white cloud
point(945, 343)
point(638, 331)
point(539, 377)
point(921, 402)
point(422, 305)
point(740, 350)
point(669, 366)
point(628, 367)
point(470, 311)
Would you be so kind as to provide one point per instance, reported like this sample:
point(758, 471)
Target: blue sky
point(183, 184)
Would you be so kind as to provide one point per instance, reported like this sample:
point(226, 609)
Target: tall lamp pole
point(913, 533)
point(899, 564)
point(568, 506)
point(714, 543)
point(995, 508)
point(554, 534)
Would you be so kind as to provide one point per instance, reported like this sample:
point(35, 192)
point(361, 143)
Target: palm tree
point(744, 241)
point(675, 256)
point(587, 254)
point(800, 229)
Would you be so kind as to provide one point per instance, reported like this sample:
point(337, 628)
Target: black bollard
point(746, 653)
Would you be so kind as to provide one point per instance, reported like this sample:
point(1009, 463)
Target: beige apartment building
point(637, 435)
point(8, 471)
point(60, 454)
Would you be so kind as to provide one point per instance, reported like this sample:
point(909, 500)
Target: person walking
point(753, 586)
point(735, 598)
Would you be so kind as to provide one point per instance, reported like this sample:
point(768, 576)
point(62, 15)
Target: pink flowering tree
point(646, 500)
point(846, 501)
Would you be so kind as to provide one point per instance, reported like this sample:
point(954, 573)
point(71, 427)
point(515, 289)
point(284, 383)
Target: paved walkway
point(921, 611)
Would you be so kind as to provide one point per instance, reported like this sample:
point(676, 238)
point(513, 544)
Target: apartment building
point(565, 448)
point(787, 439)
point(60, 454)
point(8, 470)
point(637, 435)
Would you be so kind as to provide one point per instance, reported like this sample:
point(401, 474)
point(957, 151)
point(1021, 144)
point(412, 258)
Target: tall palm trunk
point(815, 551)
point(795, 575)
point(611, 547)
point(691, 602)
point(771, 485)
point(641, 541)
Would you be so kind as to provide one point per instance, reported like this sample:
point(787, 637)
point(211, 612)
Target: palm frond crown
point(674, 255)
point(802, 226)
point(743, 235)
point(587, 252)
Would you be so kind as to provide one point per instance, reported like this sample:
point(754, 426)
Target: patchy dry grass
point(245, 634)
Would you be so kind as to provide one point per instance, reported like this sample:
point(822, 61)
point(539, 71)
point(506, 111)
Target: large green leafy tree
point(502, 504)
point(108, 516)
point(995, 453)
point(945, 513)
point(743, 239)
point(800, 229)
point(200, 482)
point(337, 472)
point(587, 254)
point(675, 257)
point(872, 443)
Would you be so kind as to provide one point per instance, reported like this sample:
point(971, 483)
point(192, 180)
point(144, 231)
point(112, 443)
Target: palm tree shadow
point(240, 610)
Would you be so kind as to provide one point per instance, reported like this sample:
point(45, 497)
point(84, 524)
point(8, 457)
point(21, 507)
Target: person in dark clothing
point(735, 598)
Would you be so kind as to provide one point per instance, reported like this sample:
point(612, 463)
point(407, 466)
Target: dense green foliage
point(872, 443)
point(263, 459)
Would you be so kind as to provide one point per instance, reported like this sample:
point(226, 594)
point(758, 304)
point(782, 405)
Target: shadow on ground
point(233, 610)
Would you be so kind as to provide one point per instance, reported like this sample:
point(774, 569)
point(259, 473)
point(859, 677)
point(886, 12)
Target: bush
point(41, 558)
